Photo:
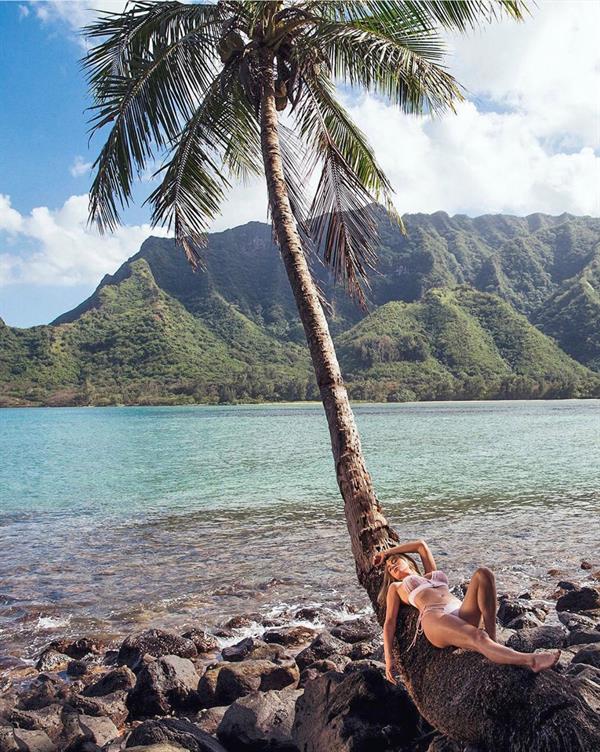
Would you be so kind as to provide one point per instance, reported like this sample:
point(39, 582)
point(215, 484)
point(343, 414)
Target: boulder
point(207, 686)
point(354, 713)
point(579, 599)
point(44, 690)
point(365, 664)
point(530, 640)
point(33, 741)
point(223, 632)
point(365, 649)
point(307, 613)
point(577, 621)
point(118, 679)
point(355, 630)
point(444, 744)
point(78, 649)
point(175, 731)
point(333, 663)
point(113, 706)
point(583, 636)
point(98, 730)
point(242, 620)
point(525, 621)
point(315, 670)
point(157, 643)
point(591, 673)
point(512, 608)
point(166, 684)
point(7, 739)
point(290, 635)
point(77, 668)
point(252, 648)
point(160, 747)
point(236, 680)
point(210, 718)
point(321, 647)
point(48, 719)
point(590, 655)
point(52, 660)
point(204, 641)
point(7, 704)
point(260, 722)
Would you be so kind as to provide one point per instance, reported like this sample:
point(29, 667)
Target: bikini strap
point(418, 630)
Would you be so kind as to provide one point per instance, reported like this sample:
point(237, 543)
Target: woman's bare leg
point(480, 601)
point(445, 630)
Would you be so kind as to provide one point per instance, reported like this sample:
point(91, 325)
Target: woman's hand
point(378, 559)
point(388, 673)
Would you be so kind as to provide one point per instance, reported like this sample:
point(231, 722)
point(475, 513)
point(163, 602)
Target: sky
point(526, 139)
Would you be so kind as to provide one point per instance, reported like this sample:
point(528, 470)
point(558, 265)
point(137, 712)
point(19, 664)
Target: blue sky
point(525, 140)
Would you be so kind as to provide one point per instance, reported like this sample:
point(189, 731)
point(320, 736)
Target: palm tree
point(242, 88)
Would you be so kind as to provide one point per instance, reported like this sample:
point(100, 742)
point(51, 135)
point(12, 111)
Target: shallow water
point(118, 518)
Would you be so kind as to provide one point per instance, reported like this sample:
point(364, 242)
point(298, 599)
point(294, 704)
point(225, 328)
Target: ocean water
point(114, 519)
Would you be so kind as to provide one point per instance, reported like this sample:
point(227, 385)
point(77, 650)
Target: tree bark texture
point(462, 694)
point(367, 527)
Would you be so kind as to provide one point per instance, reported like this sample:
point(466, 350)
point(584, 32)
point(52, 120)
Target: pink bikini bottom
point(442, 608)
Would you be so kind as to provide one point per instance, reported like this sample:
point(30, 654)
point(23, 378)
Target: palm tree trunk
point(497, 708)
point(368, 528)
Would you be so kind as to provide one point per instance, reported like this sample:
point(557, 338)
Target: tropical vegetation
point(439, 326)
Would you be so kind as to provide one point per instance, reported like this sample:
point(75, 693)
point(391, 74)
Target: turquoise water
point(113, 517)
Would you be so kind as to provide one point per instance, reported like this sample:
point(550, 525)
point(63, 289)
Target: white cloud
point(10, 219)
point(23, 11)
point(477, 162)
point(75, 15)
point(525, 141)
point(57, 247)
point(244, 203)
point(79, 167)
point(547, 68)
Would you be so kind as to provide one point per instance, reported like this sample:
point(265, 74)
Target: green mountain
point(453, 304)
point(572, 315)
point(136, 344)
point(456, 343)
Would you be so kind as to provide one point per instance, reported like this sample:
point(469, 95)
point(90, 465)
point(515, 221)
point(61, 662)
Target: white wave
point(51, 622)
point(326, 616)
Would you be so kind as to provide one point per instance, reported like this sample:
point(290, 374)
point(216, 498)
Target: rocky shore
point(291, 687)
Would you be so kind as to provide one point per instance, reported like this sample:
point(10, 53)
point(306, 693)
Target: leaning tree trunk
point(463, 695)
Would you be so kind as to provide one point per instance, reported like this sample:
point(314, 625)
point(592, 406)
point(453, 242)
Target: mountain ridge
point(154, 331)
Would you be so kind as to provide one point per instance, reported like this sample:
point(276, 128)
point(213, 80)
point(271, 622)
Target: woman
point(444, 619)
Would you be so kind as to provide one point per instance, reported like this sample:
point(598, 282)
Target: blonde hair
point(387, 577)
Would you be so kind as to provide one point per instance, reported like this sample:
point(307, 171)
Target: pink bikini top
point(415, 583)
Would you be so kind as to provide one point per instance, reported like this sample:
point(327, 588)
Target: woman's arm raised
point(412, 547)
point(392, 605)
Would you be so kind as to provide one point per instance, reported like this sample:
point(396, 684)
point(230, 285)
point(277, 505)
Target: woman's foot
point(542, 661)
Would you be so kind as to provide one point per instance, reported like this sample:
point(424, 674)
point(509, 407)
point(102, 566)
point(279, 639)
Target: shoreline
point(109, 694)
point(301, 403)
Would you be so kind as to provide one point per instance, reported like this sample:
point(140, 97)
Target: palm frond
point(459, 15)
point(222, 136)
point(146, 79)
point(297, 170)
point(343, 224)
point(403, 68)
point(342, 217)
